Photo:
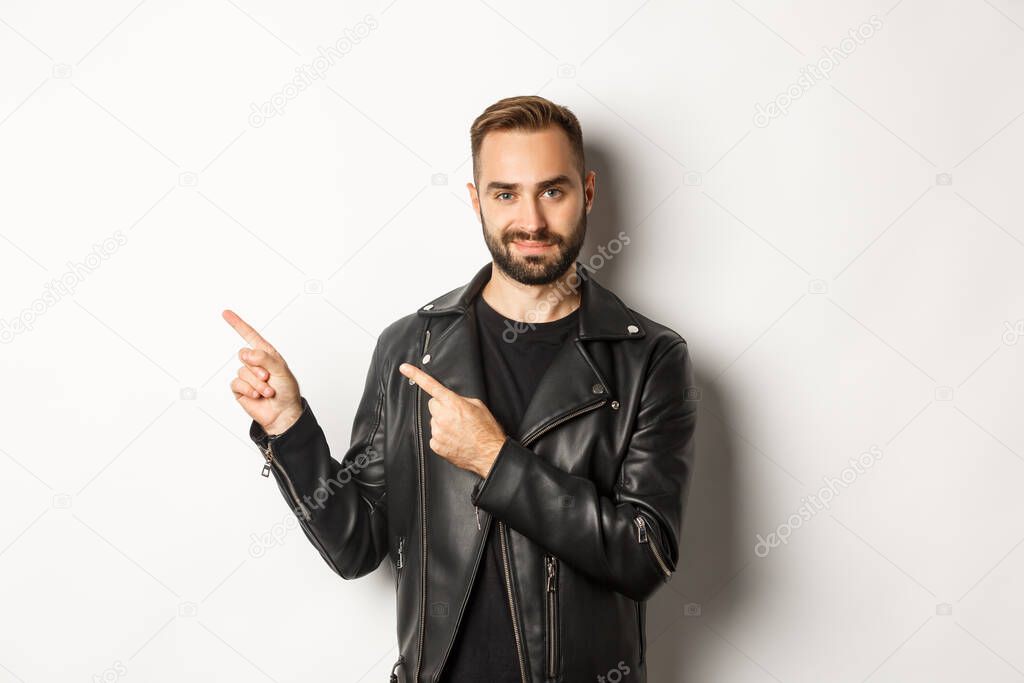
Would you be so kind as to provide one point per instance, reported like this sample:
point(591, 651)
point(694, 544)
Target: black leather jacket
point(587, 495)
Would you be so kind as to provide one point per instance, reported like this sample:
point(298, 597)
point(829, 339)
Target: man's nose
point(531, 219)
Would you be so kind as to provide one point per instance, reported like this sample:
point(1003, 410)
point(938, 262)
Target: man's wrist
point(283, 423)
point(492, 456)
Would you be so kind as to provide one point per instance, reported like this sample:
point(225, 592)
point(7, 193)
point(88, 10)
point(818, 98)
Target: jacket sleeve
point(629, 541)
point(340, 506)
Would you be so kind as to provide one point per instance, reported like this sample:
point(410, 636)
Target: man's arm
point(341, 506)
point(629, 541)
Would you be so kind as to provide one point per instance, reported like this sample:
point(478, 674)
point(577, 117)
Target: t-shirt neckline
point(550, 324)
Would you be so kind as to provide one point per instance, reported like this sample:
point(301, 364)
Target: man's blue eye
point(501, 195)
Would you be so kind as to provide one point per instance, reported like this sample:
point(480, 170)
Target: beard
point(536, 269)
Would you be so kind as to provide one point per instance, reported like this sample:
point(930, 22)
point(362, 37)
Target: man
point(524, 443)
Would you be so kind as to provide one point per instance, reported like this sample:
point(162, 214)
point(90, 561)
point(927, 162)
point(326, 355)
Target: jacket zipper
point(641, 526)
point(268, 453)
point(423, 513)
point(529, 438)
point(400, 562)
point(512, 600)
point(551, 563)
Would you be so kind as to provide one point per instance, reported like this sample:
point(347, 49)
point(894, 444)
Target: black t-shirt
point(515, 357)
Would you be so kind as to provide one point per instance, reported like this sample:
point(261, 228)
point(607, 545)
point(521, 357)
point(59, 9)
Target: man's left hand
point(462, 430)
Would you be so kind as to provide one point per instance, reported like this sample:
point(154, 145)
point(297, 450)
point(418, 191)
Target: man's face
point(532, 203)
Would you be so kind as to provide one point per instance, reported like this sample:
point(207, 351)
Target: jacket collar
point(573, 382)
point(602, 315)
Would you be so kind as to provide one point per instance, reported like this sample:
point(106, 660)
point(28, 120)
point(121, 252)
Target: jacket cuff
point(303, 428)
point(504, 478)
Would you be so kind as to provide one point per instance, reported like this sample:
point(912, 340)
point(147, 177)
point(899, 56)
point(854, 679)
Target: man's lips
point(532, 247)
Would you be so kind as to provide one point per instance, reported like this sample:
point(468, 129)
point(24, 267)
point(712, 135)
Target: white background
point(847, 276)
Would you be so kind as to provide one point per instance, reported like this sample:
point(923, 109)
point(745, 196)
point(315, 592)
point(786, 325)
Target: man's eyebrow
point(557, 180)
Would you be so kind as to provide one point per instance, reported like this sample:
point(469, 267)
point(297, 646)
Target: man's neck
point(531, 303)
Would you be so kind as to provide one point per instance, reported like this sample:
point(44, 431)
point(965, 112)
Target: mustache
point(521, 237)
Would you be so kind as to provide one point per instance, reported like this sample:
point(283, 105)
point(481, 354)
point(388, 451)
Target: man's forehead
point(528, 158)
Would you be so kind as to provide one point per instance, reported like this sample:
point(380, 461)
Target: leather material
point(588, 493)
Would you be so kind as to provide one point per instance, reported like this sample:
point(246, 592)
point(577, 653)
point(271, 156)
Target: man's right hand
point(265, 387)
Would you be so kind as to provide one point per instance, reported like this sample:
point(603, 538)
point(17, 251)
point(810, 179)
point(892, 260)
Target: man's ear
point(474, 198)
point(590, 189)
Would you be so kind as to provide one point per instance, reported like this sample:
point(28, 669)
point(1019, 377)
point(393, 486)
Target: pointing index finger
point(246, 331)
point(426, 382)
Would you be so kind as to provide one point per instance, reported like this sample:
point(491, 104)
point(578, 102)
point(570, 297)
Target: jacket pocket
point(642, 637)
point(551, 594)
point(651, 541)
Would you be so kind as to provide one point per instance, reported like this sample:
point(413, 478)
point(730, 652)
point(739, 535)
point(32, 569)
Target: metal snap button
point(615, 405)
point(597, 389)
point(428, 307)
point(426, 359)
point(632, 329)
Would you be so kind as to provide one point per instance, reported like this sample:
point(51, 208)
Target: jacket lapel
point(454, 348)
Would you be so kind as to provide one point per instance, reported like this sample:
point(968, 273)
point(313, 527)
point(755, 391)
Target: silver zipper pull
point(641, 529)
point(400, 662)
point(477, 509)
point(550, 562)
point(269, 456)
